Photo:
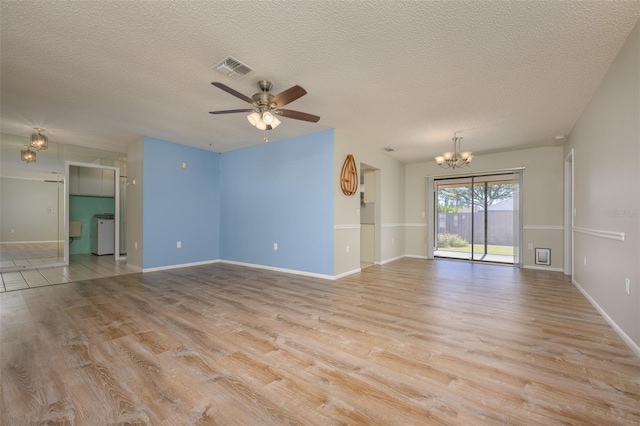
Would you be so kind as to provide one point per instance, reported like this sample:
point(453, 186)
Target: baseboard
point(415, 256)
point(542, 268)
point(182, 265)
point(391, 260)
point(133, 268)
point(634, 347)
point(344, 274)
point(273, 268)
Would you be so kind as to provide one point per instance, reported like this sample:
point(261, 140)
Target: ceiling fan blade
point(297, 115)
point(231, 111)
point(230, 91)
point(288, 96)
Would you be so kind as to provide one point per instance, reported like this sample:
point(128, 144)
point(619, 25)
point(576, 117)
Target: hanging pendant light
point(38, 140)
point(27, 155)
point(455, 159)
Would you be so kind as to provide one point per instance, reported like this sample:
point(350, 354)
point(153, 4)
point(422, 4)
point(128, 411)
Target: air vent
point(233, 68)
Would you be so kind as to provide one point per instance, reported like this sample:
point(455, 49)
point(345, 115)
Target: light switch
point(179, 244)
point(184, 165)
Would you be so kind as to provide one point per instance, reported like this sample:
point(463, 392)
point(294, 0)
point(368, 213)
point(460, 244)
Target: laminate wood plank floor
point(412, 342)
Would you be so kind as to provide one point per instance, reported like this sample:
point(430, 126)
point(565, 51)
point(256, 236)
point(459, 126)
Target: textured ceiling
point(505, 75)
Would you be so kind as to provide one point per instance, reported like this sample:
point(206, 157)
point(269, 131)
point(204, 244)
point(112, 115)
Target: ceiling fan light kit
point(267, 106)
point(455, 159)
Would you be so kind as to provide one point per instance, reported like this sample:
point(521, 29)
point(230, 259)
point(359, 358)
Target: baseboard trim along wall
point(273, 268)
point(133, 268)
point(542, 268)
point(182, 265)
point(344, 274)
point(392, 259)
point(635, 348)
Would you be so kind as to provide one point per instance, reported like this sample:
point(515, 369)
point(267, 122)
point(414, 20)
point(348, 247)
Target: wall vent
point(233, 68)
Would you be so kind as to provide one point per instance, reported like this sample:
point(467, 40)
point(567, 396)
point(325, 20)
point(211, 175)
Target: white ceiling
point(504, 74)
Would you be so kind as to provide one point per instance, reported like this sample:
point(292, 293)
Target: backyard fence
point(499, 226)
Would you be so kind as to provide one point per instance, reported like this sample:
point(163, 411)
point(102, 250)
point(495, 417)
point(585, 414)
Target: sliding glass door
point(478, 218)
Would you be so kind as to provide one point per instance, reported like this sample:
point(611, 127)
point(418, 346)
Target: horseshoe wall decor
point(349, 176)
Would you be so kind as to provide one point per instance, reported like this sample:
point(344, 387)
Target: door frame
point(116, 183)
point(432, 210)
point(568, 213)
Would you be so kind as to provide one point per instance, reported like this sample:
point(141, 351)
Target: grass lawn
point(479, 248)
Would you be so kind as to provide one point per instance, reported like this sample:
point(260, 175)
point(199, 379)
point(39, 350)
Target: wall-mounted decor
point(543, 256)
point(349, 176)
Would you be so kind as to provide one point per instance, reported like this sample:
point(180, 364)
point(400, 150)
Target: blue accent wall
point(180, 204)
point(82, 208)
point(279, 192)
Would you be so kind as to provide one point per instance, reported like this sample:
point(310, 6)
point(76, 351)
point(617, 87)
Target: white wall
point(32, 209)
point(542, 203)
point(606, 159)
point(389, 196)
point(135, 204)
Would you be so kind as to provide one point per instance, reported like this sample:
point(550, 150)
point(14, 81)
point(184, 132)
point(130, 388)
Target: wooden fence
point(499, 226)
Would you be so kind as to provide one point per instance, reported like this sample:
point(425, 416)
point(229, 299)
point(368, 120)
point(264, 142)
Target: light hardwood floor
point(411, 342)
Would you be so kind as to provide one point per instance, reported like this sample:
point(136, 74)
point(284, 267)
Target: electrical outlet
point(424, 214)
point(347, 249)
point(178, 244)
point(13, 231)
point(585, 261)
point(275, 246)
point(135, 245)
point(627, 286)
point(393, 241)
point(184, 165)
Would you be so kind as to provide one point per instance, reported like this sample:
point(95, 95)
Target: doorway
point(478, 218)
point(93, 191)
point(369, 212)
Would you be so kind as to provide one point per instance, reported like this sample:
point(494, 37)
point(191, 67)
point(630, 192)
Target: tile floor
point(81, 267)
point(19, 255)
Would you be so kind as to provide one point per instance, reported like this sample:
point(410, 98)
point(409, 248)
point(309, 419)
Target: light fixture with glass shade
point(27, 155)
point(38, 140)
point(455, 159)
point(265, 120)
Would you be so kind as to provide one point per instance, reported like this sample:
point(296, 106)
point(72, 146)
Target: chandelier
point(455, 159)
point(27, 155)
point(38, 140)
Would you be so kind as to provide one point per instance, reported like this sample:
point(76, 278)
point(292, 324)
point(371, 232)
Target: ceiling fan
point(267, 105)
